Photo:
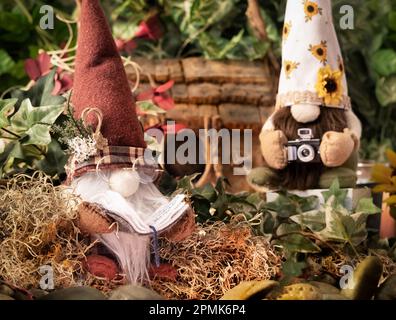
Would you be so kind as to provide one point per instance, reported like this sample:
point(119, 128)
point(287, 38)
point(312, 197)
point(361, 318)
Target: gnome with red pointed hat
point(116, 175)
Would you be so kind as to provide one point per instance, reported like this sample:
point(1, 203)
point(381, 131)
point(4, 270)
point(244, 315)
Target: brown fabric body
point(305, 176)
point(100, 80)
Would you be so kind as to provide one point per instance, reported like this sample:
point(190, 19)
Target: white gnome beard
point(131, 248)
point(132, 252)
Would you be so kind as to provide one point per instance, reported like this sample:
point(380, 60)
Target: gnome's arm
point(273, 146)
point(337, 147)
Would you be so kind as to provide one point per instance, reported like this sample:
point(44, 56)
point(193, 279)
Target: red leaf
point(67, 82)
point(164, 101)
point(164, 271)
point(165, 87)
point(57, 88)
point(35, 68)
point(120, 44)
point(129, 46)
point(146, 95)
point(151, 28)
point(44, 62)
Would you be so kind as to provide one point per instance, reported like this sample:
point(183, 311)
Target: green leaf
point(366, 205)
point(288, 204)
point(207, 191)
point(38, 134)
point(6, 62)
point(268, 224)
point(41, 93)
point(148, 107)
point(256, 200)
point(336, 192)
point(7, 107)
point(314, 220)
point(286, 228)
point(14, 23)
point(293, 268)
point(124, 30)
point(386, 90)
point(28, 116)
point(241, 206)
point(298, 243)
point(384, 62)
point(341, 226)
point(54, 161)
point(17, 151)
point(185, 183)
point(5, 155)
point(392, 20)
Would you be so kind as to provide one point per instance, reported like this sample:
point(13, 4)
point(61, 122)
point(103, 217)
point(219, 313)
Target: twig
point(256, 20)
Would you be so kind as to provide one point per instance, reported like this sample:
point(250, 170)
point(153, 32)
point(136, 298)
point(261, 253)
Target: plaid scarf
point(114, 157)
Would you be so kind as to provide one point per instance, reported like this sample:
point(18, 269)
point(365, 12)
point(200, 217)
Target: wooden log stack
point(240, 94)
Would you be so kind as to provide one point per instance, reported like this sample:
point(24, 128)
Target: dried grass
point(214, 259)
point(37, 228)
point(333, 262)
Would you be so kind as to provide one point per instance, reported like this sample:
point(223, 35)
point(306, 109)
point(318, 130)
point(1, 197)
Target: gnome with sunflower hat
point(313, 135)
point(111, 170)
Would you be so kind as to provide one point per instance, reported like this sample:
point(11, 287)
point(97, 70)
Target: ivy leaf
point(54, 161)
point(314, 220)
point(207, 192)
point(27, 116)
point(342, 226)
point(286, 228)
point(6, 62)
point(386, 90)
point(366, 205)
point(384, 62)
point(255, 199)
point(186, 184)
point(336, 192)
point(5, 155)
point(7, 107)
point(287, 204)
point(334, 229)
point(148, 107)
point(298, 243)
point(293, 268)
point(268, 224)
point(41, 93)
point(38, 134)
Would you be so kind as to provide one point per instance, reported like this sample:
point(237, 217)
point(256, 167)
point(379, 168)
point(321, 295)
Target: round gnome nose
point(125, 182)
point(305, 113)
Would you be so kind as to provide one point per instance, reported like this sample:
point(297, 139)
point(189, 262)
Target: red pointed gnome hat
point(100, 80)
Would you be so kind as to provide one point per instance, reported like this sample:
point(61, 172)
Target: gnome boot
point(346, 174)
point(260, 178)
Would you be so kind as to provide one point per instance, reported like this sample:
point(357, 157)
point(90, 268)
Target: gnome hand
point(273, 148)
point(337, 147)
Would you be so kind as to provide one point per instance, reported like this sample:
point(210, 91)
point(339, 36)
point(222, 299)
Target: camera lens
point(306, 153)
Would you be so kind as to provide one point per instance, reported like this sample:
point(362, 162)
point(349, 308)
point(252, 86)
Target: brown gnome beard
point(302, 176)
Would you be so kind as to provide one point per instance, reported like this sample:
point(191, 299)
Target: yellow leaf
point(391, 155)
point(384, 188)
point(391, 200)
point(381, 173)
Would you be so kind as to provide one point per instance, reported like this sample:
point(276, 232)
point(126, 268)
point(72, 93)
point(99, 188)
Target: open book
point(148, 208)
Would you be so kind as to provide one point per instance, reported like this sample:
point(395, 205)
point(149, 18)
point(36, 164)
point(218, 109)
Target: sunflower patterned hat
point(312, 68)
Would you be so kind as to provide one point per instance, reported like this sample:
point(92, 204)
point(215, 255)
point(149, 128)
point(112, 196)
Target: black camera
point(305, 149)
